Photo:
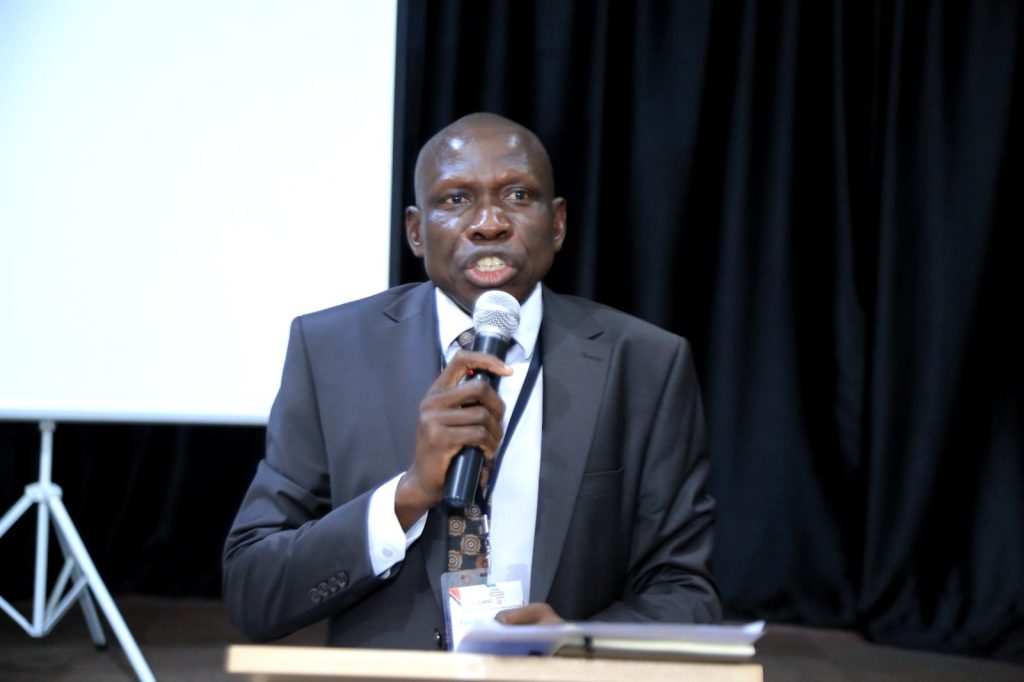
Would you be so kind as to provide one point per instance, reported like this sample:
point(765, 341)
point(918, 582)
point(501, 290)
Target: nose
point(490, 222)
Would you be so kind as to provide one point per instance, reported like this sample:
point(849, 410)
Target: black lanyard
point(517, 412)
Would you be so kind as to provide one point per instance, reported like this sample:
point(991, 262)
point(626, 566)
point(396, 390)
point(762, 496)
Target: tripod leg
point(8, 520)
point(42, 492)
point(42, 557)
point(15, 513)
point(92, 619)
point(99, 640)
point(60, 587)
point(106, 602)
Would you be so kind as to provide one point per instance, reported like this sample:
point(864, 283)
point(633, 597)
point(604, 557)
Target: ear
point(412, 230)
point(558, 206)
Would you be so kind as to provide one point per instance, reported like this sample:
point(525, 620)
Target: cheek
point(445, 220)
point(540, 241)
point(440, 244)
point(440, 229)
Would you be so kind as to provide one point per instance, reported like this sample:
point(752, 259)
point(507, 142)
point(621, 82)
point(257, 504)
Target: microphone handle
point(464, 471)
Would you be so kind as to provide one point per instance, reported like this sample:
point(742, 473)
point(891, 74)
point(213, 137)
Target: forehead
point(482, 155)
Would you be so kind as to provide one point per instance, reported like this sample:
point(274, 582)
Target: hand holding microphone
point(461, 416)
point(495, 320)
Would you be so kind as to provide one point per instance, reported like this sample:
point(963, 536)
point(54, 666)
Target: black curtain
point(818, 195)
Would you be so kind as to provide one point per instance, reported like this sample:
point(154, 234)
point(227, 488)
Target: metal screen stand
point(78, 579)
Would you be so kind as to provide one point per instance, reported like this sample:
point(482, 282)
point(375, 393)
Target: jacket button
point(343, 579)
point(316, 596)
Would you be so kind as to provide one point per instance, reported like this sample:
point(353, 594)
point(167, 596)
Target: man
point(600, 508)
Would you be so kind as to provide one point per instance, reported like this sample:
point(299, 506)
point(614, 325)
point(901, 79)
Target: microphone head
point(496, 312)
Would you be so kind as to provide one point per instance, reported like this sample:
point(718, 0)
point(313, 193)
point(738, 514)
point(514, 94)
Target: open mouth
point(489, 264)
point(490, 271)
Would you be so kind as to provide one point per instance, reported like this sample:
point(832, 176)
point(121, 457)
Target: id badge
point(468, 598)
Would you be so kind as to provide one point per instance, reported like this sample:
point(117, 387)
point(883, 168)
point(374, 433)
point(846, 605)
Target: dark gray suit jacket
point(623, 521)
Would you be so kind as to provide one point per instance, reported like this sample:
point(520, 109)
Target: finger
point(471, 415)
point(537, 613)
point(463, 405)
point(472, 359)
point(463, 416)
point(464, 395)
point(476, 435)
point(478, 393)
point(439, 425)
point(466, 361)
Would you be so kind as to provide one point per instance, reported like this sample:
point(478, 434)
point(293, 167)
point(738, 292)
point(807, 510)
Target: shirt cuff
point(387, 541)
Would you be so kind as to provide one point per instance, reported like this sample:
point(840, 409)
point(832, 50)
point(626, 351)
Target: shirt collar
point(452, 321)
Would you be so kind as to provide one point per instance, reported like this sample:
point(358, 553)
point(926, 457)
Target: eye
point(455, 199)
point(517, 195)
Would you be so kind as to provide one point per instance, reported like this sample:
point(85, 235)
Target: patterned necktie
point(466, 531)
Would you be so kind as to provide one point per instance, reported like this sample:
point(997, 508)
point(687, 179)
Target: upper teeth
point(490, 263)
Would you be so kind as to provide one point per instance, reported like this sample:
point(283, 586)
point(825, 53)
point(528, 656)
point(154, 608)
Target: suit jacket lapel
point(575, 371)
point(409, 341)
point(417, 364)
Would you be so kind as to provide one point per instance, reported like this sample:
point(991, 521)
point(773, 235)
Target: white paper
point(471, 605)
point(683, 640)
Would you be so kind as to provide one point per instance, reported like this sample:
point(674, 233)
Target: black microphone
point(495, 319)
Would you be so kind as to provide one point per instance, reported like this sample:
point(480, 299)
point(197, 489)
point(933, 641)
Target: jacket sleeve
point(291, 557)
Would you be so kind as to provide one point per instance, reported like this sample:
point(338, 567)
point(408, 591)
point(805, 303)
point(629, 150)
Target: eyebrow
point(510, 175)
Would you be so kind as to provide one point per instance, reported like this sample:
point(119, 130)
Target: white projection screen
point(178, 180)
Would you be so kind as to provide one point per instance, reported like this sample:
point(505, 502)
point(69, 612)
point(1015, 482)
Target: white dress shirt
point(514, 497)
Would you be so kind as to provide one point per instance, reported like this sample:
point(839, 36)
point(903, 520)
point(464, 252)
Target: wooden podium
point(305, 664)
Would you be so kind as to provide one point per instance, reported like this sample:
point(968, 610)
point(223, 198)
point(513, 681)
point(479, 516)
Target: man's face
point(485, 215)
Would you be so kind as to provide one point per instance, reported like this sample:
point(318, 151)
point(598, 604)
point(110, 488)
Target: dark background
point(818, 195)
